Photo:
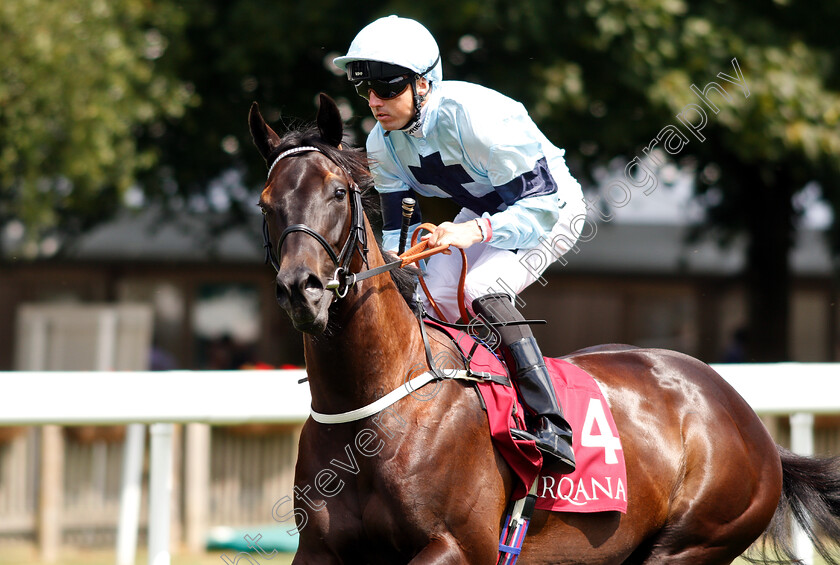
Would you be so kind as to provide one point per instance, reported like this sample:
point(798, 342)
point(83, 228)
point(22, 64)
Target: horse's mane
point(351, 159)
point(355, 162)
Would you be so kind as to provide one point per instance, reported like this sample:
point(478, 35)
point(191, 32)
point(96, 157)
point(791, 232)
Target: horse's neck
point(374, 343)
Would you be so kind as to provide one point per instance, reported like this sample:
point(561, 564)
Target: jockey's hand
point(459, 235)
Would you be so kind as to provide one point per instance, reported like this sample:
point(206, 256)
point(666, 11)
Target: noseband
point(356, 240)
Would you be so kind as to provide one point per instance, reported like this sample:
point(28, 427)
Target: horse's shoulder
point(440, 342)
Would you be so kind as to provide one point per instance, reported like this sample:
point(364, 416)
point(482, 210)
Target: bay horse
point(704, 478)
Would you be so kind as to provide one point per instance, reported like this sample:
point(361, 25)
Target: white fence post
point(196, 486)
point(802, 443)
point(132, 474)
point(160, 493)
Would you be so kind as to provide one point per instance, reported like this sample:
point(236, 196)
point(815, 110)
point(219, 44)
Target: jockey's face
point(394, 113)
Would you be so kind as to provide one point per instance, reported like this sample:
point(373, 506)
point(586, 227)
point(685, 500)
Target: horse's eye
point(340, 193)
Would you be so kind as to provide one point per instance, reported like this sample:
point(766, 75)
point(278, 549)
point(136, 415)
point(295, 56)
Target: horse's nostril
point(293, 286)
point(313, 284)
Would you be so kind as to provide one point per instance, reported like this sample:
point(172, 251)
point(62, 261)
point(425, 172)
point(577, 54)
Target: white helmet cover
point(397, 41)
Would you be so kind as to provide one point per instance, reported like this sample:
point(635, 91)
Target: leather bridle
point(342, 279)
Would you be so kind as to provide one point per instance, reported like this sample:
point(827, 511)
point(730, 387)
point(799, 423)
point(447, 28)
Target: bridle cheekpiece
point(342, 278)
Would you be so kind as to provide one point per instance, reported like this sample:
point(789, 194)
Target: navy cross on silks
point(452, 178)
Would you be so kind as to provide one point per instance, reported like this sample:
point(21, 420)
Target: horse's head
point(314, 224)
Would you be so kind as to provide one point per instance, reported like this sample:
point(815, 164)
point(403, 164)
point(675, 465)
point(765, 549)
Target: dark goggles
point(385, 89)
point(376, 70)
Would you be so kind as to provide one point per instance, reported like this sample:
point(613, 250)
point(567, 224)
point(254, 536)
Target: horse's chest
point(363, 505)
point(383, 498)
point(366, 525)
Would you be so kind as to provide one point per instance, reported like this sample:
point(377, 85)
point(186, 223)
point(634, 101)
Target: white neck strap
point(382, 403)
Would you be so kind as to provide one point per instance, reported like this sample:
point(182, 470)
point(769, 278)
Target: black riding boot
point(543, 413)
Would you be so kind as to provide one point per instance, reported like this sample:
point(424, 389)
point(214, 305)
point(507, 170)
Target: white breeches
point(490, 269)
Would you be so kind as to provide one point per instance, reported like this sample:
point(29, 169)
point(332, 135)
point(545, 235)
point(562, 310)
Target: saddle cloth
point(599, 482)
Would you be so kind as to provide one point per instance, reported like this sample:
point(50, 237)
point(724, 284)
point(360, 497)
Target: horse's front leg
point(440, 551)
point(315, 558)
point(445, 550)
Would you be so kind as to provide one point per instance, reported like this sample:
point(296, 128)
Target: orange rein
point(421, 250)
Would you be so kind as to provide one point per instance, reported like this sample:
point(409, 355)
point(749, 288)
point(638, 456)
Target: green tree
point(78, 81)
point(603, 77)
point(88, 103)
point(235, 53)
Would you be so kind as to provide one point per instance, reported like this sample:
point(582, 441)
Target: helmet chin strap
point(418, 99)
point(418, 105)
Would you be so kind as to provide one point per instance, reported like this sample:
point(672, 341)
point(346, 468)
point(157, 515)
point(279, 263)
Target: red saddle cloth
point(599, 482)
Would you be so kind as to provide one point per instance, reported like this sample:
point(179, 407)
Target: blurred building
point(634, 282)
point(213, 306)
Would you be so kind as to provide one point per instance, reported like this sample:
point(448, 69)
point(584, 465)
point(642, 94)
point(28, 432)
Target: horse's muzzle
point(301, 293)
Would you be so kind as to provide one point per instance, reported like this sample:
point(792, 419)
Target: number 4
point(595, 415)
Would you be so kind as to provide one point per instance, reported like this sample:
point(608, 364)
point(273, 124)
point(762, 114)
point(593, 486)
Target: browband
point(288, 152)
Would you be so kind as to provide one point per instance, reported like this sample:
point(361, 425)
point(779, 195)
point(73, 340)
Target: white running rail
point(800, 390)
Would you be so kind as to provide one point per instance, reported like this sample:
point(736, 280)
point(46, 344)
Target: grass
point(27, 555)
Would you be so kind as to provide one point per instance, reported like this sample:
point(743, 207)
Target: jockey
point(478, 147)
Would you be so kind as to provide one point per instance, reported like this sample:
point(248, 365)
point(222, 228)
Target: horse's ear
point(264, 137)
point(329, 121)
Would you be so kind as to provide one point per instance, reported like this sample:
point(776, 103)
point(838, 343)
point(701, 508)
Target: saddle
point(599, 483)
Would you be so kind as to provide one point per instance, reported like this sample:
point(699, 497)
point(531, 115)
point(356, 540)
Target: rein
point(356, 241)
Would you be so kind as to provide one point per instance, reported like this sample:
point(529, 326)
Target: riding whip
point(407, 211)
